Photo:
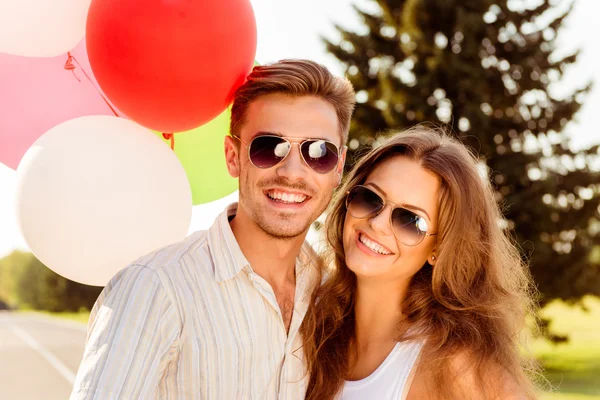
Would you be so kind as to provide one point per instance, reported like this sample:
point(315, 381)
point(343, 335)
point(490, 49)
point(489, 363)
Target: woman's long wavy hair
point(474, 300)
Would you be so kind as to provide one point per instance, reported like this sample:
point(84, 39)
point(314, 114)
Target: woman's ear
point(432, 257)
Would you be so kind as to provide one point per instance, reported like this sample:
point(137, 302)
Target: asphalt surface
point(39, 356)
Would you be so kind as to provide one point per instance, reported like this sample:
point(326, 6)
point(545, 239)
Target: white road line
point(56, 363)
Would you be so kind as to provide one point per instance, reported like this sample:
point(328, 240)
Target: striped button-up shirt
point(193, 321)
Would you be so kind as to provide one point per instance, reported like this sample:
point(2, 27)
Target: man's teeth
point(376, 247)
point(286, 197)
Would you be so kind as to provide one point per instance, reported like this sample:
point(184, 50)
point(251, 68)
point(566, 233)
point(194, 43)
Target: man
point(216, 316)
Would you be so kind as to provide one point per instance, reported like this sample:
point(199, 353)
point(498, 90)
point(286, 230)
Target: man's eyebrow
point(261, 133)
point(409, 206)
point(268, 133)
point(289, 137)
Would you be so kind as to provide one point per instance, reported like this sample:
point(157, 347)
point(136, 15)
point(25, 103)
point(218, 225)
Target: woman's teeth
point(376, 247)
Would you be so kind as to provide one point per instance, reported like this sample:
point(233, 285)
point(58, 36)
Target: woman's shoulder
point(469, 378)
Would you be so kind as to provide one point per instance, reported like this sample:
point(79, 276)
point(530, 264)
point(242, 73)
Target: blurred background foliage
point(26, 283)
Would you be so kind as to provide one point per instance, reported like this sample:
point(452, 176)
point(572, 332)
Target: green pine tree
point(486, 68)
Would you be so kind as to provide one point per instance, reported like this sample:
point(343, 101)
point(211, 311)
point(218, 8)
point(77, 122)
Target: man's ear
point(339, 170)
point(232, 158)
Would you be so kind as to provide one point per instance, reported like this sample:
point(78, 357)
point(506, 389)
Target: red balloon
point(171, 65)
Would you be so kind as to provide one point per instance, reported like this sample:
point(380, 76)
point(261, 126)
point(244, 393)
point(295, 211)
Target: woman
point(427, 294)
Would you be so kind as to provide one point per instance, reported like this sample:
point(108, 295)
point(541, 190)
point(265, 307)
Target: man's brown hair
point(295, 78)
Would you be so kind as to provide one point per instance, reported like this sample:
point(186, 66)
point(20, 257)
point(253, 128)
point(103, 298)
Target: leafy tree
point(9, 269)
point(27, 283)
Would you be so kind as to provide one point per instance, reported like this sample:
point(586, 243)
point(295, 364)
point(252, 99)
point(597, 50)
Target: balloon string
point(69, 66)
point(170, 136)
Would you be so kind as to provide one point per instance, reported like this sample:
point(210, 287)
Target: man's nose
point(293, 167)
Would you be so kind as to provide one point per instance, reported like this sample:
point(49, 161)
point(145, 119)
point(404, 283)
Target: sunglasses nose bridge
point(299, 152)
point(291, 148)
point(381, 220)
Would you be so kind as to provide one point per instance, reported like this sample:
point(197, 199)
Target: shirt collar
point(227, 255)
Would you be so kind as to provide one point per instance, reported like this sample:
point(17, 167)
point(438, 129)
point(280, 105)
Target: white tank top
point(388, 381)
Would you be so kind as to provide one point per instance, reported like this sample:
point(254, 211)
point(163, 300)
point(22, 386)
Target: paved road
point(39, 356)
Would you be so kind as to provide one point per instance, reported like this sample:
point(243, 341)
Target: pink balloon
point(39, 93)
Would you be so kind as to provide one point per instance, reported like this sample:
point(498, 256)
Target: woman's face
point(373, 248)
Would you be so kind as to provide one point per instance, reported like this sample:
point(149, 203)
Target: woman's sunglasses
point(266, 151)
point(408, 227)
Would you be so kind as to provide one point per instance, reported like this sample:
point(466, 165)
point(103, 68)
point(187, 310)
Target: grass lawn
point(573, 368)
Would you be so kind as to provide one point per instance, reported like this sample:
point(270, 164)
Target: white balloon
point(95, 193)
point(41, 28)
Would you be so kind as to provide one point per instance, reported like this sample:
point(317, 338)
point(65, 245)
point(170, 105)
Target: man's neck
point(271, 258)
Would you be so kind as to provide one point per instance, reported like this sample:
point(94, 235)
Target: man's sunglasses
point(266, 151)
point(408, 227)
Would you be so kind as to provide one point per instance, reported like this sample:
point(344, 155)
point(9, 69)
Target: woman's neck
point(378, 310)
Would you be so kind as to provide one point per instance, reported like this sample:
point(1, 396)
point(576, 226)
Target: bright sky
point(291, 29)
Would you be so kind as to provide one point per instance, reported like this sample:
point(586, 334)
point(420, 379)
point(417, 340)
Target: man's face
point(285, 199)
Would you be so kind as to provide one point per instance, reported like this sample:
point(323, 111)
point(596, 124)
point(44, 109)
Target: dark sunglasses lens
point(406, 226)
point(266, 151)
point(320, 155)
point(362, 202)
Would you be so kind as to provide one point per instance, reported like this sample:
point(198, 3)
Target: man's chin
point(285, 232)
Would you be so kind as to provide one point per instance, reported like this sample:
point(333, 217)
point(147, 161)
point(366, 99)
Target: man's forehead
point(300, 116)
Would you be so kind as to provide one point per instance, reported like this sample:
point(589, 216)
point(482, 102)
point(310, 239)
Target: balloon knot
point(169, 136)
point(69, 66)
